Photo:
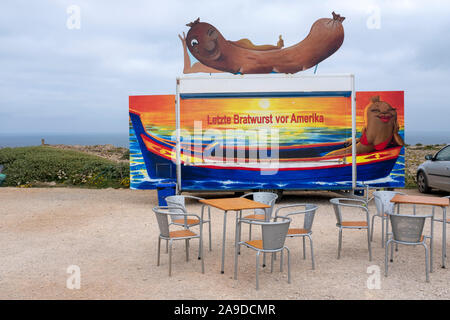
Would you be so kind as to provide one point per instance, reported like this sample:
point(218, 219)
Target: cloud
point(61, 80)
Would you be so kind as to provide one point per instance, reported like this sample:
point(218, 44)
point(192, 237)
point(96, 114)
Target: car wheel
point(422, 183)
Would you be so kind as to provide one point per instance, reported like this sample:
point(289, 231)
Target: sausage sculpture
point(209, 47)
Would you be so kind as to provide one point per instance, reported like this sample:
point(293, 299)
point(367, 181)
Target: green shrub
point(410, 181)
point(30, 165)
point(125, 155)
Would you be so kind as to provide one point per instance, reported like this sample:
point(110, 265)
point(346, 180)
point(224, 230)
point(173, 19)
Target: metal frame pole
point(178, 145)
point(353, 98)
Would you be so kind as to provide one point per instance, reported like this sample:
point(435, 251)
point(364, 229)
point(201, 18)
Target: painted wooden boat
point(295, 167)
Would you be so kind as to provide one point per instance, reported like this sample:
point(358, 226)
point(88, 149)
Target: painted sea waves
point(139, 178)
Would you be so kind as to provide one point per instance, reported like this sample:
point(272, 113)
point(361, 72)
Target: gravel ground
point(112, 236)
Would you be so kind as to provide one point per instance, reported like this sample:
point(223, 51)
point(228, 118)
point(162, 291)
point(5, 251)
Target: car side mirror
point(429, 157)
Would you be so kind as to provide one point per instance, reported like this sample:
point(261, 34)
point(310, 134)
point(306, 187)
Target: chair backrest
point(177, 205)
point(274, 233)
point(383, 201)
point(338, 203)
point(309, 216)
point(337, 210)
point(407, 228)
point(163, 221)
point(308, 213)
point(268, 198)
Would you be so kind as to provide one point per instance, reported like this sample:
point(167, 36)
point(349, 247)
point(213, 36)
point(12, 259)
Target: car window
point(444, 154)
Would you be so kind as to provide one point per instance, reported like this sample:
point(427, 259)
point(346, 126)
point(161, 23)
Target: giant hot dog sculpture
point(209, 47)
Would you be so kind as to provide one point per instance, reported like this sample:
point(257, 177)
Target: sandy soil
point(112, 236)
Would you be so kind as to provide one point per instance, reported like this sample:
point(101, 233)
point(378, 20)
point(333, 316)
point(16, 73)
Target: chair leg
point(371, 231)
point(386, 253)
point(387, 229)
point(427, 274)
point(170, 258)
point(289, 263)
point(264, 260)
point(159, 251)
point(257, 270)
point(340, 243)
point(167, 246)
point(239, 238)
point(312, 252)
point(200, 243)
point(271, 262)
point(392, 252)
point(382, 231)
point(209, 222)
point(201, 255)
point(368, 242)
point(304, 248)
point(250, 232)
point(281, 261)
point(236, 255)
point(187, 249)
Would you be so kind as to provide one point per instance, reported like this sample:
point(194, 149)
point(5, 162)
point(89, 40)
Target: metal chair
point(407, 229)
point(308, 213)
point(273, 238)
point(162, 214)
point(384, 206)
point(180, 219)
point(338, 203)
point(268, 198)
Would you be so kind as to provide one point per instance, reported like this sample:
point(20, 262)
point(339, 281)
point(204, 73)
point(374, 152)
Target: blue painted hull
point(339, 177)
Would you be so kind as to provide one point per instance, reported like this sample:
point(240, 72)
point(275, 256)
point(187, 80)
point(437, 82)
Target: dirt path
point(111, 235)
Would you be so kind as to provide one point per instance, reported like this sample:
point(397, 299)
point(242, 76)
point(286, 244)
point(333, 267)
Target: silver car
point(435, 172)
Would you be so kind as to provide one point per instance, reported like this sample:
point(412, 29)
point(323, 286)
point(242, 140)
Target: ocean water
point(427, 137)
point(122, 140)
point(116, 139)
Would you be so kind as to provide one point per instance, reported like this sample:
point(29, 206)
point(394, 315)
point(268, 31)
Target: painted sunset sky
point(157, 112)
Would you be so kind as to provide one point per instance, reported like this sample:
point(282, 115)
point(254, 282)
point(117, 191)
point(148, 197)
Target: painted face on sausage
point(203, 41)
point(381, 112)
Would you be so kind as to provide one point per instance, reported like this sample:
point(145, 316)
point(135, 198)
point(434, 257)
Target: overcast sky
point(60, 80)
